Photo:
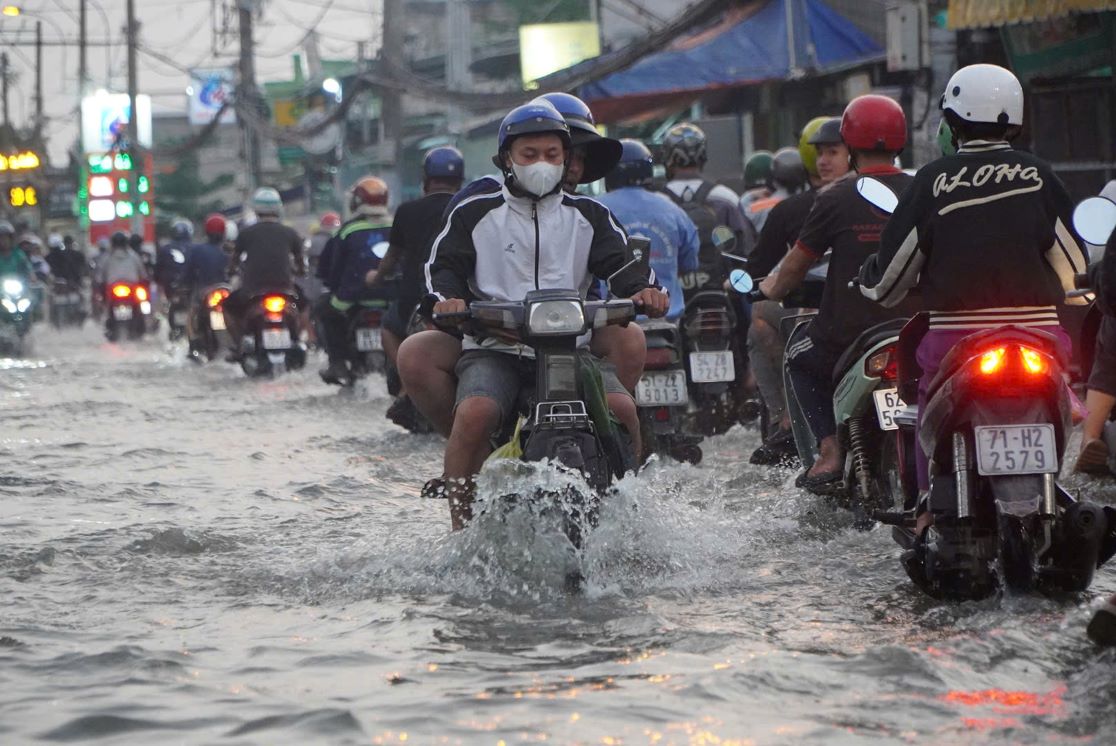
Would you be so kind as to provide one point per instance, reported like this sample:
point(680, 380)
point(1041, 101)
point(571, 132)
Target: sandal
point(1093, 458)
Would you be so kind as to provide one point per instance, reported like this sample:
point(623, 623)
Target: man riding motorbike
point(875, 130)
point(984, 234)
point(826, 159)
point(120, 264)
point(170, 259)
point(65, 263)
point(205, 266)
point(757, 172)
point(267, 256)
point(528, 236)
point(13, 261)
point(788, 175)
point(353, 268)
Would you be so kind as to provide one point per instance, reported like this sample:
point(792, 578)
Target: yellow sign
point(546, 48)
point(24, 161)
point(980, 13)
point(23, 196)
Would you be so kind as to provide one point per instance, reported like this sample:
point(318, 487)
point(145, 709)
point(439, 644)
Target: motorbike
point(663, 396)
point(15, 315)
point(270, 343)
point(178, 307)
point(209, 335)
point(67, 307)
point(565, 419)
point(995, 430)
point(128, 310)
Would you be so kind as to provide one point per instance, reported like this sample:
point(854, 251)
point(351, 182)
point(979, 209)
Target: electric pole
point(38, 79)
point(391, 56)
point(247, 96)
point(133, 117)
point(83, 67)
point(4, 73)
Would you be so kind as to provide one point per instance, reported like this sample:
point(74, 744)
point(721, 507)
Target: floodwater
point(187, 556)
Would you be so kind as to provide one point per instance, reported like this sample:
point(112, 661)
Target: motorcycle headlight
point(13, 287)
point(11, 307)
point(23, 304)
point(556, 317)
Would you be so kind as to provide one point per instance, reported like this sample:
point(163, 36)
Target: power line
point(300, 42)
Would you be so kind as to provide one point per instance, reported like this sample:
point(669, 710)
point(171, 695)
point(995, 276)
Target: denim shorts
point(504, 377)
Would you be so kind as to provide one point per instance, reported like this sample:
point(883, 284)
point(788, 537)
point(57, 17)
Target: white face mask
point(539, 178)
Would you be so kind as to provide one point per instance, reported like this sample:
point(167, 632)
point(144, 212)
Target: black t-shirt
point(416, 225)
point(780, 231)
point(266, 250)
point(845, 222)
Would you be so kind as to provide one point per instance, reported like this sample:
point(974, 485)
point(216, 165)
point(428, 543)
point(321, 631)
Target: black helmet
point(635, 168)
point(787, 170)
point(119, 238)
point(601, 153)
point(684, 146)
point(829, 133)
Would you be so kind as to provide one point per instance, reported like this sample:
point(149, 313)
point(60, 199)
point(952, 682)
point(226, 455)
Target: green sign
point(1061, 46)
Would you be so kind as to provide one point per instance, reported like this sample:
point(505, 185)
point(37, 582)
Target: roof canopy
point(750, 43)
point(979, 13)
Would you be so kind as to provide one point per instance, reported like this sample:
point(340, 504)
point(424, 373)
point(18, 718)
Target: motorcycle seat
point(867, 339)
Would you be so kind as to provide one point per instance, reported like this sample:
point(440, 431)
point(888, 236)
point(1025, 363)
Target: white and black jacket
point(984, 236)
point(499, 246)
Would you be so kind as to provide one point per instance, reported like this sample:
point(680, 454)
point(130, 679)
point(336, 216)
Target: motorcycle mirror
point(1094, 219)
point(380, 249)
point(639, 250)
point(723, 238)
point(741, 281)
point(877, 193)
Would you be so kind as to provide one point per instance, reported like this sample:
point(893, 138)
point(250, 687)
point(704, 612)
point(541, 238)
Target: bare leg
point(426, 363)
point(476, 418)
point(624, 407)
point(765, 351)
point(391, 346)
point(625, 347)
point(830, 458)
point(1100, 406)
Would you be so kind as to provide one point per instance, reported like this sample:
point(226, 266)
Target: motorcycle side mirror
point(639, 250)
point(876, 193)
point(380, 249)
point(724, 239)
point(1094, 219)
point(741, 281)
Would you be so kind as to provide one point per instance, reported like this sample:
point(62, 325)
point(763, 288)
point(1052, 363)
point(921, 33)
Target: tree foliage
point(181, 192)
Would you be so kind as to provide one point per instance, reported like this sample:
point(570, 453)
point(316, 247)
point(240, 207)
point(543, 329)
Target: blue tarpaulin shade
point(749, 44)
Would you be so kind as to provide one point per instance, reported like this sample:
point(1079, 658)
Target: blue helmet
point(444, 163)
point(576, 113)
point(636, 166)
point(535, 117)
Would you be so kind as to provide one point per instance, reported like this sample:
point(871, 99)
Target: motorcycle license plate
point(369, 340)
point(712, 367)
point(1016, 449)
point(217, 321)
point(662, 388)
point(122, 313)
point(178, 318)
point(276, 339)
point(888, 407)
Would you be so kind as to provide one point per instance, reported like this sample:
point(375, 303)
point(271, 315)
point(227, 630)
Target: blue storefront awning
point(750, 43)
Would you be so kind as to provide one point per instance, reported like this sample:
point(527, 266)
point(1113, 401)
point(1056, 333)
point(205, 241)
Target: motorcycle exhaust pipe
point(962, 477)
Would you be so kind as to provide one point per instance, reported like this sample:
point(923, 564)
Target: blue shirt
point(673, 236)
point(206, 265)
point(349, 256)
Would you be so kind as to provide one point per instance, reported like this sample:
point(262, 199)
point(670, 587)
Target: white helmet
point(984, 93)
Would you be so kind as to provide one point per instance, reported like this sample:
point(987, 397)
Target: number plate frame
point(1001, 453)
point(886, 411)
point(369, 339)
point(704, 365)
point(122, 313)
point(217, 321)
point(276, 339)
point(664, 381)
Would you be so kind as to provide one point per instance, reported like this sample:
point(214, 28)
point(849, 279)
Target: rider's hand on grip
point(451, 311)
point(652, 301)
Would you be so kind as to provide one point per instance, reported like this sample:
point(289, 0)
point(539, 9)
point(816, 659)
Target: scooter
point(128, 310)
point(15, 316)
point(177, 309)
point(566, 419)
point(210, 334)
point(663, 397)
point(270, 343)
point(995, 429)
point(66, 305)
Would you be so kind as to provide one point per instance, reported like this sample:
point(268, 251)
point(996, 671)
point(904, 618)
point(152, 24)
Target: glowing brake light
point(217, 297)
point(121, 291)
point(1033, 361)
point(884, 364)
point(141, 293)
point(993, 361)
point(274, 303)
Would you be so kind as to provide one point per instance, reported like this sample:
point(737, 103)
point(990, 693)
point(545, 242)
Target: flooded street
point(188, 556)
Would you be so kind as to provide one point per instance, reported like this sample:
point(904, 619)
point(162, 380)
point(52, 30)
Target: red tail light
point(141, 293)
point(659, 357)
point(1034, 362)
point(121, 291)
point(274, 304)
point(662, 414)
point(884, 364)
point(992, 361)
point(217, 297)
point(1020, 361)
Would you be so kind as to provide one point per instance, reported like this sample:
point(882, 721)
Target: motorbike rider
point(413, 230)
point(826, 159)
point(984, 234)
point(205, 266)
point(503, 245)
point(120, 264)
point(353, 270)
point(13, 261)
point(875, 130)
point(428, 358)
point(170, 259)
point(266, 257)
point(65, 263)
point(788, 176)
point(757, 172)
point(673, 236)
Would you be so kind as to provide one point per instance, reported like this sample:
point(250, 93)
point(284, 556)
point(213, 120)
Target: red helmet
point(215, 225)
point(331, 221)
point(874, 122)
point(370, 190)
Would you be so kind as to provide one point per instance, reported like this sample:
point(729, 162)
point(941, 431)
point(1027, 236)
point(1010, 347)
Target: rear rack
point(565, 415)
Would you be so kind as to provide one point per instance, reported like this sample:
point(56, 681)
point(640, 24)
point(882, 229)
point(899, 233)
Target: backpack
point(704, 218)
